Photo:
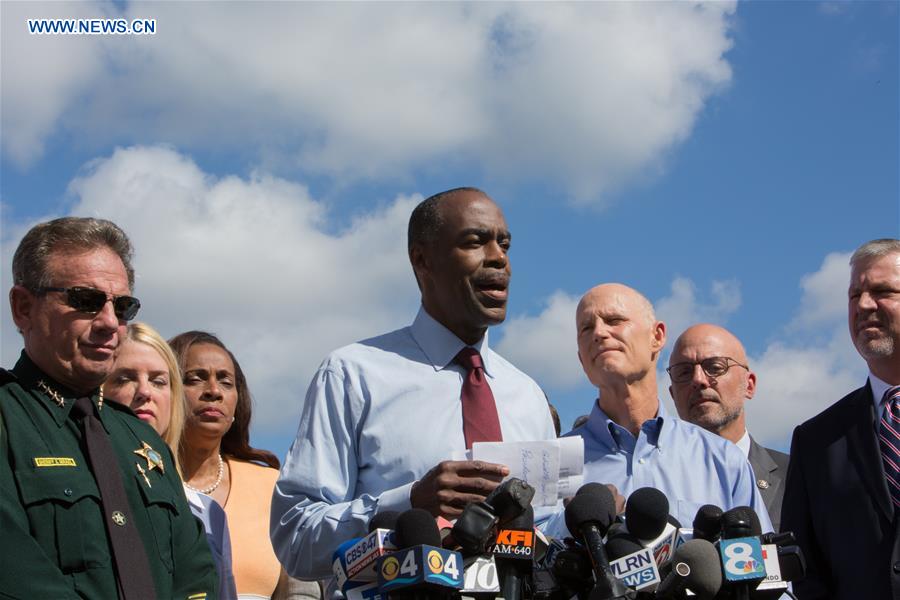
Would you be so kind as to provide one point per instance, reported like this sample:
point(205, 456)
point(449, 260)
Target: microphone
point(384, 520)
point(361, 554)
point(509, 499)
point(647, 518)
point(695, 565)
point(588, 516)
point(475, 526)
point(632, 563)
point(708, 523)
point(646, 513)
point(741, 551)
point(421, 569)
point(514, 553)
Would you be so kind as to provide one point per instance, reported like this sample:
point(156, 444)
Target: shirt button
point(67, 491)
point(642, 460)
point(897, 567)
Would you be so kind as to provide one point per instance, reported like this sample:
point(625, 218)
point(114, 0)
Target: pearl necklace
point(212, 488)
point(60, 401)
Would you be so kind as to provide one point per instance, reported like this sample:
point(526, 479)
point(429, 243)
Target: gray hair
point(875, 249)
point(79, 234)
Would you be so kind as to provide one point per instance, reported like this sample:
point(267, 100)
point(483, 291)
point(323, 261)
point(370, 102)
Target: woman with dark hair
point(217, 459)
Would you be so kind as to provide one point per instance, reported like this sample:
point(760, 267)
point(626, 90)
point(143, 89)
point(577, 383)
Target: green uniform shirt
point(53, 543)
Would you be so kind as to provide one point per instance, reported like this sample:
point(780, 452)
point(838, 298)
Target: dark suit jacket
point(836, 501)
point(770, 468)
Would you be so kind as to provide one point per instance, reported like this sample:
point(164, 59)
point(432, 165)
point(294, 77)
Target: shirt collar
point(744, 444)
point(193, 498)
point(29, 374)
point(441, 345)
point(879, 387)
point(611, 434)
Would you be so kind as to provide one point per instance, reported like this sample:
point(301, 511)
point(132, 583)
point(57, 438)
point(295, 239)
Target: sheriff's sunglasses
point(90, 300)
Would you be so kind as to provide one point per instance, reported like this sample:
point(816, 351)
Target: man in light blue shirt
point(630, 440)
point(383, 418)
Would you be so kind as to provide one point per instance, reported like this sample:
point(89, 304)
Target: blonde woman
point(147, 379)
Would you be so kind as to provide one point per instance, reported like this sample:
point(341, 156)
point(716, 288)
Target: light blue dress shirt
point(215, 524)
point(691, 466)
point(879, 388)
point(378, 415)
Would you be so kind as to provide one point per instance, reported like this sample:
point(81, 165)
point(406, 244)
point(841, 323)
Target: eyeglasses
point(714, 367)
point(90, 300)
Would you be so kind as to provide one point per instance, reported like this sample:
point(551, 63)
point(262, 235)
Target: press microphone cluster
point(493, 551)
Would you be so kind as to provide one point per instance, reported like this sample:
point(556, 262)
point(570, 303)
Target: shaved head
point(714, 403)
point(707, 333)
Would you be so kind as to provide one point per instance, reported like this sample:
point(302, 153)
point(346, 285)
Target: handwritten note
point(550, 467)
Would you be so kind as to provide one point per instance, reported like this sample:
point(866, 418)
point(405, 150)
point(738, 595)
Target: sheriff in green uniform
point(70, 301)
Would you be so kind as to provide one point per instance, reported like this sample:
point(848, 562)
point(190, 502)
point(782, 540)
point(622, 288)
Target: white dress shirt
point(378, 415)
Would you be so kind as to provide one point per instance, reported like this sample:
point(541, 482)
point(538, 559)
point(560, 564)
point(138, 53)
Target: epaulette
point(7, 377)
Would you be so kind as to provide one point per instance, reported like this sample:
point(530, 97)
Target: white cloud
point(254, 260)
point(681, 309)
point(586, 94)
point(42, 75)
point(797, 381)
point(812, 363)
point(824, 293)
point(544, 345)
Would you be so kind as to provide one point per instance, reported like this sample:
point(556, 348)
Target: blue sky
point(721, 158)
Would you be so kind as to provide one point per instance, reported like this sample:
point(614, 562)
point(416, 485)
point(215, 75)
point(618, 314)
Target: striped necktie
point(889, 440)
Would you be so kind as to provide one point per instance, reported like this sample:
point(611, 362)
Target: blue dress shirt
point(690, 465)
point(378, 415)
point(215, 524)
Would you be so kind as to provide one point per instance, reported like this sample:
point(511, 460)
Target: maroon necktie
point(480, 420)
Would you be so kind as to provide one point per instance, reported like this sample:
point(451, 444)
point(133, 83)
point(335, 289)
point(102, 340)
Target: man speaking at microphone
point(630, 440)
point(383, 416)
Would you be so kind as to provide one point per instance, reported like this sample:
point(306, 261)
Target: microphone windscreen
point(594, 508)
point(705, 577)
point(599, 489)
point(741, 521)
point(621, 545)
point(708, 523)
point(590, 488)
point(384, 520)
point(524, 522)
point(416, 527)
point(647, 513)
point(509, 499)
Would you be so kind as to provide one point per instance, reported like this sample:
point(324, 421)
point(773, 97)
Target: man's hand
point(619, 498)
point(446, 489)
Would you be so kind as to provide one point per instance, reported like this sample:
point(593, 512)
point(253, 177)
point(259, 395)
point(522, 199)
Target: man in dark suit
point(841, 497)
point(711, 380)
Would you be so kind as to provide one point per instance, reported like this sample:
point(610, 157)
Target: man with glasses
point(711, 380)
point(630, 440)
point(91, 505)
point(842, 494)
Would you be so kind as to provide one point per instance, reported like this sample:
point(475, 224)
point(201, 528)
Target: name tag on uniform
point(54, 461)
